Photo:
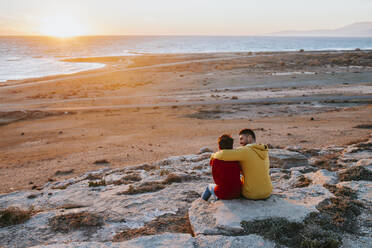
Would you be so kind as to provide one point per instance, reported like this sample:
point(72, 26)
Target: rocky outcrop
point(159, 205)
point(174, 240)
point(217, 241)
point(366, 163)
point(280, 158)
point(323, 176)
point(353, 153)
point(225, 217)
point(163, 240)
point(182, 179)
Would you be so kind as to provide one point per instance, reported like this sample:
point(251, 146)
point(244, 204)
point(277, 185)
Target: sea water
point(33, 56)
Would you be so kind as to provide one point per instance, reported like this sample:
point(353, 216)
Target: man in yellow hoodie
point(255, 164)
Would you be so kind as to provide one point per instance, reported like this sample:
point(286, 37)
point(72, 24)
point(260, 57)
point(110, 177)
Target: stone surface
point(356, 152)
point(356, 242)
point(224, 217)
point(363, 189)
point(286, 159)
point(322, 177)
point(166, 240)
point(174, 240)
point(128, 199)
point(353, 156)
point(366, 163)
point(119, 211)
point(217, 241)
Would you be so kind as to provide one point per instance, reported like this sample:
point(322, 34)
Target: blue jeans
point(208, 192)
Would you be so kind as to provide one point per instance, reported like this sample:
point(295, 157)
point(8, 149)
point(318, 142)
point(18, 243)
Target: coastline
point(88, 67)
point(149, 107)
point(100, 62)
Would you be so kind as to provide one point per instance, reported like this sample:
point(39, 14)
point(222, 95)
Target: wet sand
point(145, 108)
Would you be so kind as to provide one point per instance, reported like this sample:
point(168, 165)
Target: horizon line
point(187, 35)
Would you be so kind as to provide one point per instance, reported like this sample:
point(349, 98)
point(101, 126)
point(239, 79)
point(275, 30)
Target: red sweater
point(226, 176)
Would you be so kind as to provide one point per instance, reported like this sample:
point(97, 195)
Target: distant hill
point(360, 29)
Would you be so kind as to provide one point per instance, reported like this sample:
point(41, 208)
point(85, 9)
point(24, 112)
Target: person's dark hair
point(225, 142)
point(248, 132)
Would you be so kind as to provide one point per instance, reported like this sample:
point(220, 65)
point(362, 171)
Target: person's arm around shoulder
point(231, 155)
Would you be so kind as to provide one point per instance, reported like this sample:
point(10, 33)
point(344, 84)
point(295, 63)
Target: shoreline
point(97, 66)
point(106, 59)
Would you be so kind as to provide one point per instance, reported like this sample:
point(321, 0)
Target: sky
point(176, 17)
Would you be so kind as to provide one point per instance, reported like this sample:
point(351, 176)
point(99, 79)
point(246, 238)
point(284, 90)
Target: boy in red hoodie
point(226, 175)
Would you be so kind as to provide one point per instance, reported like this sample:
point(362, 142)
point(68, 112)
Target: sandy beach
point(140, 109)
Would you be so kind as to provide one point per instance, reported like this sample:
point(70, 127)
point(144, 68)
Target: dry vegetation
point(283, 62)
point(328, 161)
point(13, 216)
point(143, 188)
point(135, 177)
point(292, 234)
point(164, 172)
point(71, 221)
point(342, 209)
point(174, 223)
point(355, 174)
point(336, 216)
point(156, 186)
point(302, 182)
point(297, 61)
point(97, 183)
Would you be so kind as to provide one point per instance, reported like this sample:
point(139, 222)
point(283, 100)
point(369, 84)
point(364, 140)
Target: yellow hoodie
point(255, 164)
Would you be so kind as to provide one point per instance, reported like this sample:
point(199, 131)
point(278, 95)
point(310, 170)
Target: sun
point(62, 26)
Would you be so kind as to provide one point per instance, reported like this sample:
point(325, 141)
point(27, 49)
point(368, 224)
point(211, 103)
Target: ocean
point(33, 56)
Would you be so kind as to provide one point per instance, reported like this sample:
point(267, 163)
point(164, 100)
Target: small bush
point(302, 182)
point(328, 161)
point(128, 179)
point(68, 222)
point(198, 167)
point(173, 223)
point(143, 188)
point(292, 234)
point(341, 191)
point(13, 216)
point(341, 210)
point(355, 173)
point(97, 183)
point(164, 172)
point(174, 178)
point(94, 177)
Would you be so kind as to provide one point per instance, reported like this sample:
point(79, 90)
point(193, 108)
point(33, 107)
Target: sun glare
point(62, 27)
